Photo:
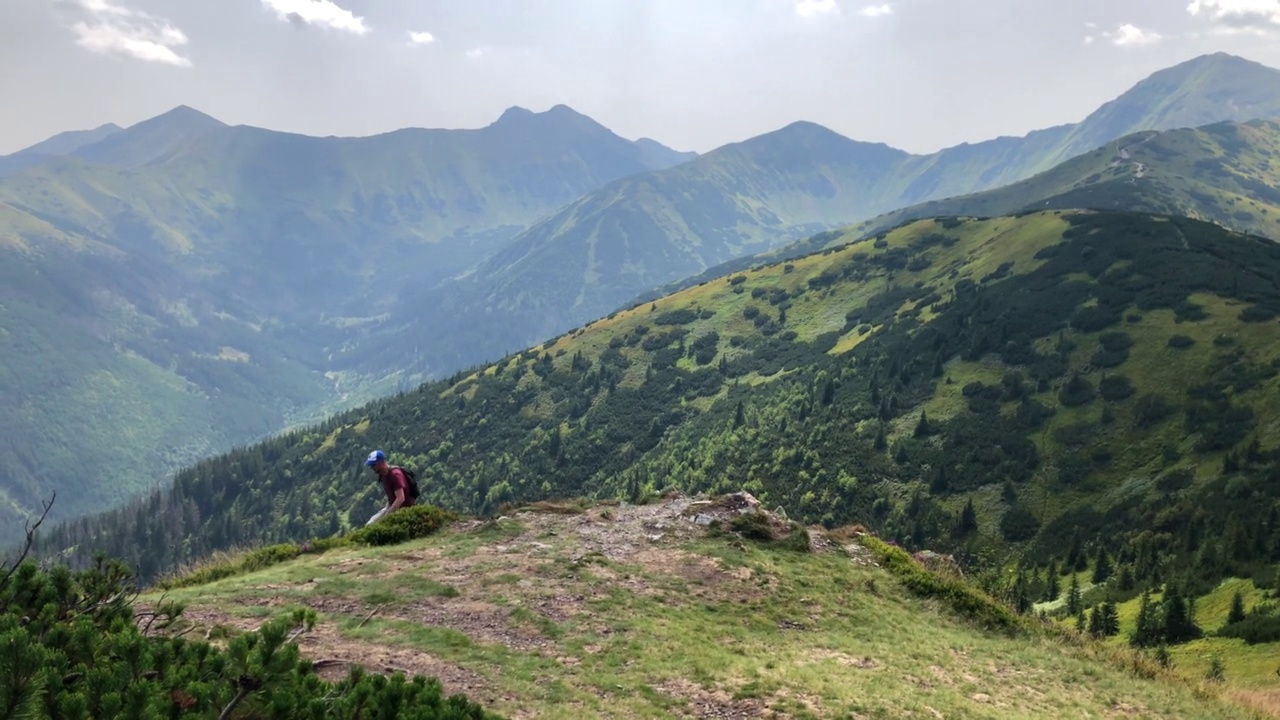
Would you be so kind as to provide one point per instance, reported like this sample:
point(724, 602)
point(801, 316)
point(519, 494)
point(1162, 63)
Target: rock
point(701, 519)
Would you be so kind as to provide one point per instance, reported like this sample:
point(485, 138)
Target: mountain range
point(645, 231)
point(181, 286)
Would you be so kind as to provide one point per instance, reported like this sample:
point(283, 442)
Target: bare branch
point(30, 540)
point(369, 616)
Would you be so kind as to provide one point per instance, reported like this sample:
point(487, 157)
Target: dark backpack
point(413, 482)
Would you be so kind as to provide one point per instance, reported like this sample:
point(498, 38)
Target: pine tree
point(1147, 630)
point(968, 518)
point(1179, 626)
point(1073, 596)
point(1021, 594)
point(1126, 581)
point(922, 427)
point(1054, 588)
point(1110, 619)
point(1236, 614)
point(1095, 621)
point(1101, 566)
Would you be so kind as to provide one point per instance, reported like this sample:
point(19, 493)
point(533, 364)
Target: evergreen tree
point(1101, 566)
point(922, 427)
point(1110, 619)
point(1179, 625)
point(968, 518)
point(1021, 594)
point(1073, 596)
point(1126, 582)
point(1236, 614)
point(1147, 630)
point(1053, 589)
point(1095, 621)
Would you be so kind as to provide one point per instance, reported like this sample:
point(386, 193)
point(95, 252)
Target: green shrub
point(403, 525)
point(966, 600)
point(73, 649)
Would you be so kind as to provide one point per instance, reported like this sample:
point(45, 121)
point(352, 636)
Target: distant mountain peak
point(183, 115)
point(558, 112)
point(515, 112)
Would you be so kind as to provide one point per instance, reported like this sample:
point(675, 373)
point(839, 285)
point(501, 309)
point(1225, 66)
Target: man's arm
point(398, 501)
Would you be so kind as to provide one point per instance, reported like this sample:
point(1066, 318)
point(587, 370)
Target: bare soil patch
point(700, 702)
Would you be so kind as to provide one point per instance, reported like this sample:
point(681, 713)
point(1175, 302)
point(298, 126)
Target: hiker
point(394, 482)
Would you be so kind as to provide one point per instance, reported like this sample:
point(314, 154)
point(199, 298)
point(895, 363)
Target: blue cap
point(374, 457)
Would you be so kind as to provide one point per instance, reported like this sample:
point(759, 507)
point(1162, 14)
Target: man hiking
point(395, 483)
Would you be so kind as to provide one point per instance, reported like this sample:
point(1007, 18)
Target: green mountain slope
point(643, 611)
point(647, 231)
point(201, 286)
point(63, 143)
point(1226, 173)
point(151, 140)
point(1027, 392)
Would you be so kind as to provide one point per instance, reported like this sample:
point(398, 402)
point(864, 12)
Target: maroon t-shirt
point(394, 480)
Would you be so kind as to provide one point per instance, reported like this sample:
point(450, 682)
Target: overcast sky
point(917, 74)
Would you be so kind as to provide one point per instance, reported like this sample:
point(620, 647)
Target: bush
point(74, 648)
point(1114, 388)
point(402, 526)
point(964, 599)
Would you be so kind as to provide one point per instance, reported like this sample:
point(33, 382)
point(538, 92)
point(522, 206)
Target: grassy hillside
point(656, 229)
point(683, 607)
point(1028, 392)
point(63, 143)
point(1226, 173)
point(198, 286)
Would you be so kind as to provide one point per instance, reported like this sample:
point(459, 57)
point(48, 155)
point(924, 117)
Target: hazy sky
point(917, 74)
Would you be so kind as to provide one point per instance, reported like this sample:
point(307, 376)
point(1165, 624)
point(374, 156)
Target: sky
point(919, 75)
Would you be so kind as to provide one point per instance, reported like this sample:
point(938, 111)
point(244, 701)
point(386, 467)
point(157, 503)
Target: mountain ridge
point(640, 233)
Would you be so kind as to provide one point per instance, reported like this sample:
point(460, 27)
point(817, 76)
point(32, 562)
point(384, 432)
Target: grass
point(568, 612)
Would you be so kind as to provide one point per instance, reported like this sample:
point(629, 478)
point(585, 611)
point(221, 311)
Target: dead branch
point(30, 540)
point(368, 617)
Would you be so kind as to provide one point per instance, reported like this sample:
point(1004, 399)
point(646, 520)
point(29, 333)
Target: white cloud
point(477, 52)
point(108, 27)
point(421, 38)
point(812, 8)
point(875, 11)
point(324, 13)
point(1127, 35)
point(1238, 13)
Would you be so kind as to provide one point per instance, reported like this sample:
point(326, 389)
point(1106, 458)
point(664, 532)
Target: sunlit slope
point(649, 612)
point(1061, 370)
point(1227, 173)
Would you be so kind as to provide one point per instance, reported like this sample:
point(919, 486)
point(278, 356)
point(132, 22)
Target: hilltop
point(706, 607)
